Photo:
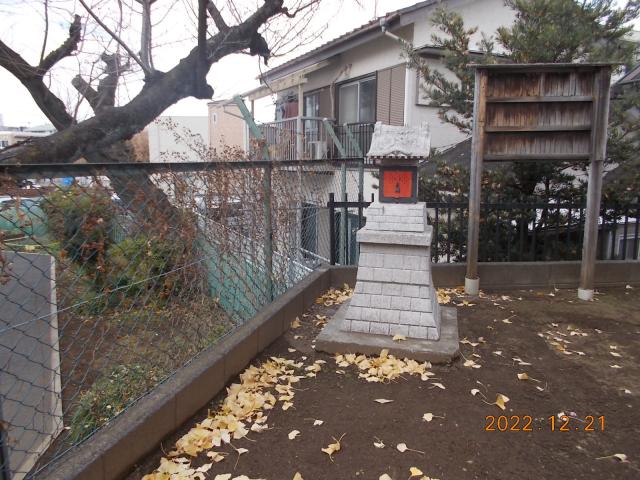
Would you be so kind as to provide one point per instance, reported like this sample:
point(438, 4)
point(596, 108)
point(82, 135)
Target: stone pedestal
point(394, 294)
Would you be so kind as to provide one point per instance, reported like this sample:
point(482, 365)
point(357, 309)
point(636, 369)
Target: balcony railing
point(307, 138)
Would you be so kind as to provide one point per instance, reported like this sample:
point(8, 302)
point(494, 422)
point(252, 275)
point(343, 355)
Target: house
point(178, 139)
point(343, 87)
point(226, 126)
point(361, 77)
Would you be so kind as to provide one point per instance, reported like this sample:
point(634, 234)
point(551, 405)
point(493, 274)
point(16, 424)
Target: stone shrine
point(394, 293)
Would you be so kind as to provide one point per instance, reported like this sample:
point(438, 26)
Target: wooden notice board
point(540, 112)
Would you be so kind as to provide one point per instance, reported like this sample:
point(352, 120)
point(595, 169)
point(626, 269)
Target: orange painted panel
point(397, 183)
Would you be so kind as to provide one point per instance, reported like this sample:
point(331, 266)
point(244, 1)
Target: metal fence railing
point(114, 276)
point(289, 139)
point(533, 231)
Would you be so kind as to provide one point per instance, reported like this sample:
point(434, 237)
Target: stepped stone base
point(335, 339)
point(394, 292)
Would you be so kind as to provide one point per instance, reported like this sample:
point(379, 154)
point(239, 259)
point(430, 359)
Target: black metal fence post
point(332, 229)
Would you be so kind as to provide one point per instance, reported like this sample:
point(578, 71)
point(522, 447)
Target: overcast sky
point(21, 27)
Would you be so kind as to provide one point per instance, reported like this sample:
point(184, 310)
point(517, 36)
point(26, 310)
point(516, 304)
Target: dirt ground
point(583, 361)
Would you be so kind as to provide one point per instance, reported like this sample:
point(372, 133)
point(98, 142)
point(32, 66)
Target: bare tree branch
point(148, 73)
point(86, 90)
point(94, 137)
point(146, 34)
point(31, 78)
point(46, 30)
point(217, 17)
point(64, 50)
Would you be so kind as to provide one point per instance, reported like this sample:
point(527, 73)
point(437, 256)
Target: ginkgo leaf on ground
point(333, 447)
point(317, 423)
point(296, 323)
point(384, 476)
point(523, 376)
point(427, 417)
point(293, 434)
point(618, 456)
point(222, 476)
point(216, 456)
point(439, 385)
point(297, 476)
point(415, 472)
point(402, 447)
point(398, 338)
point(472, 364)
point(383, 400)
point(500, 401)
point(379, 443)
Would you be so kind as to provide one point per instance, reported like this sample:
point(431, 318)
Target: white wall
point(178, 139)
point(487, 15)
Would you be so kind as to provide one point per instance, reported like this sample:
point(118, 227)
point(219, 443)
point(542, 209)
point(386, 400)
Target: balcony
point(311, 138)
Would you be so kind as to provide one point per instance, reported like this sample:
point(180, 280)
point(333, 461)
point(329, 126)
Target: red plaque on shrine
point(398, 184)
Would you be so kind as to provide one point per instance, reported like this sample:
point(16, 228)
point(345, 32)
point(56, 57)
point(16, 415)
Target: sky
point(21, 27)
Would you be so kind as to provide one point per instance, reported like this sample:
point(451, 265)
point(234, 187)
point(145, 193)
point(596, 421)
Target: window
point(312, 105)
point(357, 101)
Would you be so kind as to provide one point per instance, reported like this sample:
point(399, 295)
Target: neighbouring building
point(13, 135)
point(179, 139)
point(226, 126)
point(362, 77)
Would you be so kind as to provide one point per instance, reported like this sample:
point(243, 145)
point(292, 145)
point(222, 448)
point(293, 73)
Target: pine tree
point(544, 31)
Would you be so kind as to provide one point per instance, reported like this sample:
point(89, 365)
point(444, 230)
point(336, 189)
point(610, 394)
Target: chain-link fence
point(114, 276)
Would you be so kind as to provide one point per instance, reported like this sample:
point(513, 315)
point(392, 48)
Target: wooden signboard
point(540, 112)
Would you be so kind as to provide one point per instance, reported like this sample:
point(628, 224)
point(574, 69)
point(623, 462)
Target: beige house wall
point(226, 126)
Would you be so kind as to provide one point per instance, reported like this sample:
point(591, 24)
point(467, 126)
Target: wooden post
point(600, 119)
point(472, 281)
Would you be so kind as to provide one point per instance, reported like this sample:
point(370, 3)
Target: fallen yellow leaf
point(415, 472)
point(500, 401)
point(333, 447)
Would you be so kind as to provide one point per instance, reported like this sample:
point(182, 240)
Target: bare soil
point(456, 444)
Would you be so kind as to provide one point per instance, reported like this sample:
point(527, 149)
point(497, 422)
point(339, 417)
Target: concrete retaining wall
point(525, 274)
